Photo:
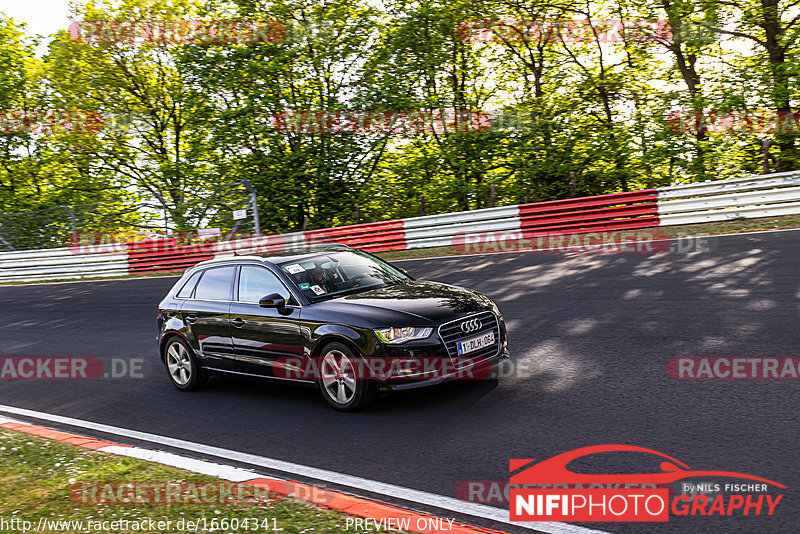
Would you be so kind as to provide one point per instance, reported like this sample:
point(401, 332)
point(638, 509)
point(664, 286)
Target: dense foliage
point(570, 102)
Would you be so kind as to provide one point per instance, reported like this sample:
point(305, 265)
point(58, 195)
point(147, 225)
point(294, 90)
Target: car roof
point(287, 255)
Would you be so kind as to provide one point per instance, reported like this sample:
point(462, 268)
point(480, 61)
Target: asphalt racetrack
point(589, 334)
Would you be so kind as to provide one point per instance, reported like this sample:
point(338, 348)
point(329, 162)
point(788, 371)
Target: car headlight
point(399, 335)
point(495, 309)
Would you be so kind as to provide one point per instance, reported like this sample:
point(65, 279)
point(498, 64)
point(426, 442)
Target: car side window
point(215, 284)
point(188, 287)
point(256, 283)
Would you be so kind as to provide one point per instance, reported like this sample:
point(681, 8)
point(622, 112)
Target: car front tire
point(343, 380)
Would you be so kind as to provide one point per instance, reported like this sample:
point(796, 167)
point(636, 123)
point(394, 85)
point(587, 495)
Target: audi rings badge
point(473, 325)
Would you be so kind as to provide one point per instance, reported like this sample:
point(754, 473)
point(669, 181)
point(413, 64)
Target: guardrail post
point(765, 162)
point(166, 212)
point(253, 205)
point(491, 203)
point(6, 243)
point(422, 204)
point(74, 225)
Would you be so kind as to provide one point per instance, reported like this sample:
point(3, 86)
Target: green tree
point(308, 171)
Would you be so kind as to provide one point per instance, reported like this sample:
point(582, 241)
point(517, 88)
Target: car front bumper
point(480, 369)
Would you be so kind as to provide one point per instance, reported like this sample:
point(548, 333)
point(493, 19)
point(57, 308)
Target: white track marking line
point(225, 472)
point(380, 488)
point(4, 420)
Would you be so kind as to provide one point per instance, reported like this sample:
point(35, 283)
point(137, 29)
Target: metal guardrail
point(769, 195)
point(61, 264)
point(714, 187)
point(750, 197)
point(438, 230)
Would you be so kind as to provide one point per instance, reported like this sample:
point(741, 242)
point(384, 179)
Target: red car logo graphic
point(554, 470)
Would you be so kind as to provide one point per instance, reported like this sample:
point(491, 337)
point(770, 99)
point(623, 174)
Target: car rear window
point(215, 284)
point(188, 287)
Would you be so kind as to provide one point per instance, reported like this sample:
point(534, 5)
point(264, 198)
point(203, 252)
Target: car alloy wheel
point(338, 376)
point(339, 379)
point(182, 366)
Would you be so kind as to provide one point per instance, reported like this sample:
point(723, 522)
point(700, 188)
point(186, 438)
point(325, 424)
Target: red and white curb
point(336, 500)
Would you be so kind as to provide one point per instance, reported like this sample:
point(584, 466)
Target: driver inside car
point(329, 280)
point(317, 276)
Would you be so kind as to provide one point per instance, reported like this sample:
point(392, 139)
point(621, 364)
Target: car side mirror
point(273, 300)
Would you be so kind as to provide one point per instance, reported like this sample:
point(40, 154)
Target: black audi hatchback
point(334, 317)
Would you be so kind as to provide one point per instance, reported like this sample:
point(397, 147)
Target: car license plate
point(475, 343)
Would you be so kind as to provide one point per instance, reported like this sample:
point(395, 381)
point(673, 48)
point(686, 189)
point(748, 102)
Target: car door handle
point(191, 318)
point(238, 322)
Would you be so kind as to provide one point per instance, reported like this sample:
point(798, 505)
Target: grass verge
point(36, 474)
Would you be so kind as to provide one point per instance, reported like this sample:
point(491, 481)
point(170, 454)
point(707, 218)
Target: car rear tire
point(182, 367)
point(341, 381)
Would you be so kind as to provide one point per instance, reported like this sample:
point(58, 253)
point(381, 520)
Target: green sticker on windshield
point(305, 286)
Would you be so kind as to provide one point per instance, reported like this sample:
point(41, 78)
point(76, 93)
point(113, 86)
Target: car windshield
point(334, 274)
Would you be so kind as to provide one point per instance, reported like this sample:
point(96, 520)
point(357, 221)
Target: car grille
point(451, 333)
